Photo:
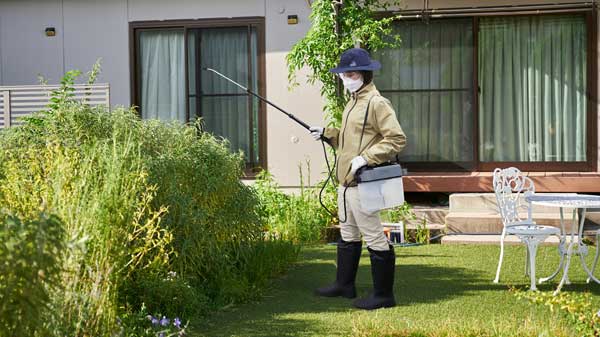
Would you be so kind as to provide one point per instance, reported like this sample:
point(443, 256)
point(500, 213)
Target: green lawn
point(441, 290)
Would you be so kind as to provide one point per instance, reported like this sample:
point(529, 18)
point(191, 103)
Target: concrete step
point(490, 240)
point(490, 222)
point(486, 202)
point(436, 215)
point(592, 216)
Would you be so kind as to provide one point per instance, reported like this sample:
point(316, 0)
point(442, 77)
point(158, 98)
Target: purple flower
point(177, 322)
point(154, 320)
point(164, 321)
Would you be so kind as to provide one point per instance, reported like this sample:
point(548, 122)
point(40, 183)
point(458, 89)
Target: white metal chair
point(511, 188)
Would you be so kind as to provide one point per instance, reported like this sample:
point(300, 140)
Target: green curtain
point(532, 76)
point(429, 80)
point(227, 110)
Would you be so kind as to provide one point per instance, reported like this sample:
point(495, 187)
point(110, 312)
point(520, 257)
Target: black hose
point(330, 178)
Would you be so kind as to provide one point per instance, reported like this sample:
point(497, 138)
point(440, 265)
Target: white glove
point(316, 132)
point(357, 163)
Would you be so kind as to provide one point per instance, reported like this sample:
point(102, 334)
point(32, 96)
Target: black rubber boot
point(348, 255)
point(383, 265)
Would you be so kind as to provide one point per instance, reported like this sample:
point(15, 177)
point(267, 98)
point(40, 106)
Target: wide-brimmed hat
point(356, 59)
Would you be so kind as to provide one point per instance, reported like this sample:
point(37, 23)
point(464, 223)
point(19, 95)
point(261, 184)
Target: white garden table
point(567, 249)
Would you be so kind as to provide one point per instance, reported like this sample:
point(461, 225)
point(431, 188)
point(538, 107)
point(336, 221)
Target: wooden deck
point(583, 182)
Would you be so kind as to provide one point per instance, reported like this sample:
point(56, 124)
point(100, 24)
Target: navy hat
point(356, 59)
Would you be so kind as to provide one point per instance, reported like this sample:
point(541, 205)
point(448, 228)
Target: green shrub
point(138, 199)
point(297, 217)
point(99, 187)
point(30, 254)
point(170, 294)
point(154, 216)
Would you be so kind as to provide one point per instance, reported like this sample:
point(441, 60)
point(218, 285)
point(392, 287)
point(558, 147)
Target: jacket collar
point(365, 91)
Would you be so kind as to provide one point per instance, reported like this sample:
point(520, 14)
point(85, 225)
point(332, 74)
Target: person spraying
point(370, 135)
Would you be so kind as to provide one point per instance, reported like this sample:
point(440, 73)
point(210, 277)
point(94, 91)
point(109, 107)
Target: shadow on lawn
point(293, 294)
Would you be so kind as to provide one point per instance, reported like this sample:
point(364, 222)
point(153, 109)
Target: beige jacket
point(383, 137)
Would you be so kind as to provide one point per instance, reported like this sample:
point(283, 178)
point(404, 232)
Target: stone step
point(592, 216)
point(490, 222)
point(490, 240)
point(486, 202)
point(431, 214)
point(412, 224)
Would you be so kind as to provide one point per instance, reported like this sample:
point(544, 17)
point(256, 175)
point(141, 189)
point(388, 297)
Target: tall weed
point(29, 271)
point(297, 217)
point(138, 200)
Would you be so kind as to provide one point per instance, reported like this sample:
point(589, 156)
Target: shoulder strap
point(362, 133)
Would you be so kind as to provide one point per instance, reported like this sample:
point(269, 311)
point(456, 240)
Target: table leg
point(574, 229)
point(561, 250)
point(565, 277)
point(596, 256)
point(582, 249)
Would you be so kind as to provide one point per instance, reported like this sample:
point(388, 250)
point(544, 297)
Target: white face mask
point(350, 84)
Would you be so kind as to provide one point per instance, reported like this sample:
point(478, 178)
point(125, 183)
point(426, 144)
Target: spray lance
point(304, 125)
point(376, 184)
point(297, 120)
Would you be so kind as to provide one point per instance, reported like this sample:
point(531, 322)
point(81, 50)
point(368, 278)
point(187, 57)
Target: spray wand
point(304, 125)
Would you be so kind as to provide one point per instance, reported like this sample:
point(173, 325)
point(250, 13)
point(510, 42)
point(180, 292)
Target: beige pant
point(360, 222)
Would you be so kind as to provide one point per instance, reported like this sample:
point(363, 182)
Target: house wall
point(85, 31)
point(88, 29)
point(25, 52)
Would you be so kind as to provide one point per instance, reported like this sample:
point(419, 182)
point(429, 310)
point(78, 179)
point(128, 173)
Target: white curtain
point(532, 73)
point(162, 75)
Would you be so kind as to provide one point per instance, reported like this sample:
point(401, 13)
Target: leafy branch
point(321, 48)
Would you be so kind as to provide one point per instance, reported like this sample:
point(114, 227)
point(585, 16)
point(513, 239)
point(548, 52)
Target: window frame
point(591, 163)
point(258, 23)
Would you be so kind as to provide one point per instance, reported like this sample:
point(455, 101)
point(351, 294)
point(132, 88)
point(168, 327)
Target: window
point(429, 81)
point(161, 74)
point(513, 92)
point(532, 75)
point(171, 85)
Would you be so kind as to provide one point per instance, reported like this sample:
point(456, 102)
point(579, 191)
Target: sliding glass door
point(172, 85)
point(532, 104)
point(429, 81)
point(226, 109)
point(513, 93)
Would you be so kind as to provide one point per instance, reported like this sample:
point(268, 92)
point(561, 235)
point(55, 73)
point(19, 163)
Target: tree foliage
point(360, 23)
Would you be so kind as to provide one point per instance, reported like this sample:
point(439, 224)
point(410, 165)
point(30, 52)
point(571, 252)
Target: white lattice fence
point(20, 101)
